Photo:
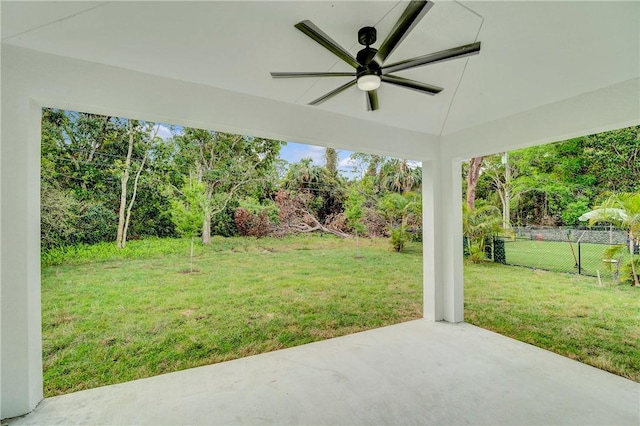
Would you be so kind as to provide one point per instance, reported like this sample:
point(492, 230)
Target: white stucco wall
point(31, 80)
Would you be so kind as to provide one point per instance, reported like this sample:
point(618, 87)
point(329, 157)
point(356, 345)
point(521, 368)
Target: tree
point(296, 215)
point(498, 168)
point(331, 161)
point(226, 164)
point(85, 155)
point(475, 167)
point(59, 213)
point(400, 176)
point(366, 164)
point(400, 211)
point(554, 184)
point(548, 179)
point(304, 175)
point(139, 132)
point(188, 211)
point(319, 191)
point(623, 211)
point(478, 224)
point(82, 146)
point(354, 213)
point(613, 159)
point(77, 155)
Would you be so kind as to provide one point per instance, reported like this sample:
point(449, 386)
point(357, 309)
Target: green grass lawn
point(557, 256)
point(567, 314)
point(111, 316)
point(135, 314)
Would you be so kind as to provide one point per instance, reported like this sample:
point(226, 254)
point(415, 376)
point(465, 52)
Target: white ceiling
point(533, 53)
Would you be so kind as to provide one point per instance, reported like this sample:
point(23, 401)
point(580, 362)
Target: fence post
point(499, 255)
point(579, 259)
point(488, 250)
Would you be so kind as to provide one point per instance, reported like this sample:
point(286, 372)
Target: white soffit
point(533, 53)
point(538, 53)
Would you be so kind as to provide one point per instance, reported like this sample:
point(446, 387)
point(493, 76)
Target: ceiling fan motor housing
point(365, 59)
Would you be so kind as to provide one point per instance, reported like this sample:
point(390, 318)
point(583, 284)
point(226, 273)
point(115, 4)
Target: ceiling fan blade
point(443, 55)
point(372, 100)
point(333, 92)
point(411, 84)
point(311, 74)
point(409, 18)
point(310, 29)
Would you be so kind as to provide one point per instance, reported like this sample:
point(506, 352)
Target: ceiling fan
point(369, 63)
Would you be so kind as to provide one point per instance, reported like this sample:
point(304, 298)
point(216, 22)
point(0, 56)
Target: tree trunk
point(191, 257)
point(206, 228)
point(331, 161)
point(634, 272)
point(475, 164)
point(206, 222)
point(120, 238)
point(506, 206)
point(506, 210)
point(133, 199)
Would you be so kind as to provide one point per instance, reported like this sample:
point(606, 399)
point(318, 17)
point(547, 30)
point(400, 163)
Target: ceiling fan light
point(368, 82)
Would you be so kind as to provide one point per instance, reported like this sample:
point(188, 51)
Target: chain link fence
point(570, 250)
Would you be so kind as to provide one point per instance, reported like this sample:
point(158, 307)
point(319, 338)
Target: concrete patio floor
point(418, 372)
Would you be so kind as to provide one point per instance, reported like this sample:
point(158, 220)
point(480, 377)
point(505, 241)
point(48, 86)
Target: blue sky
point(292, 152)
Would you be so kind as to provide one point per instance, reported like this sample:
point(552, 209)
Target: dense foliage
point(556, 183)
point(109, 179)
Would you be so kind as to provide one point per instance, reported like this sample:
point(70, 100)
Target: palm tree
point(304, 176)
point(400, 176)
point(478, 225)
point(324, 192)
point(399, 210)
point(623, 211)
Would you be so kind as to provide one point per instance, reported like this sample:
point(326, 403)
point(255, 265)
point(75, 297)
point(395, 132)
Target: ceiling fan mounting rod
point(367, 36)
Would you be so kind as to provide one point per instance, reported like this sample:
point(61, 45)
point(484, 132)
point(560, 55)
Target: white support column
point(453, 293)
point(431, 219)
point(21, 345)
point(442, 246)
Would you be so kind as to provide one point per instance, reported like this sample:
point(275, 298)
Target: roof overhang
point(546, 71)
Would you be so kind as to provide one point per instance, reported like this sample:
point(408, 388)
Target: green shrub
point(224, 223)
point(398, 238)
point(626, 273)
point(415, 235)
point(96, 225)
point(477, 253)
point(574, 210)
point(255, 207)
point(85, 253)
